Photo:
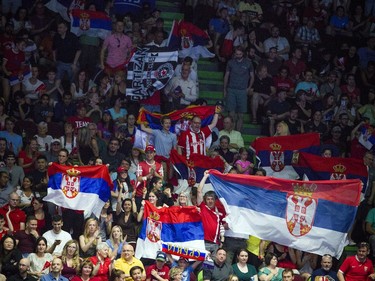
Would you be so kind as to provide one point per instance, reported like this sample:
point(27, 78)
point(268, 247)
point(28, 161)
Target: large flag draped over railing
point(149, 69)
point(179, 229)
point(206, 113)
point(276, 153)
point(95, 24)
point(79, 188)
point(334, 168)
point(312, 216)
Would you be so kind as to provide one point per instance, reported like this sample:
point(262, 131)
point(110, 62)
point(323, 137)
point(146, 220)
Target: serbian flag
point(367, 136)
point(312, 216)
point(206, 113)
point(316, 167)
point(149, 69)
point(79, 188)
point(180, 229)
point(192, 169)
point(96, 24)
point(276, 153)
point(189, 39)
point(17, 77)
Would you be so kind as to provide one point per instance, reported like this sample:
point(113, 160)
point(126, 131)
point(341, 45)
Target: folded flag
point(312, 216)
point(276, 153)
point(90, 23)
point(367, 136)
point(149, 69)
point(316, 167)
point(192, 169)
point(179, 228)
point(79, 188)
point(206, 113)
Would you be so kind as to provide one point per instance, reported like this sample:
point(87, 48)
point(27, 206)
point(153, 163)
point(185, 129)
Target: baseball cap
point(121, 169)
point(150, 148)
point(161, 256)
point(55, 140)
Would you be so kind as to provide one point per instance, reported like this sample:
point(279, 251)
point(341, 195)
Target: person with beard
point(325, 270)
point(238, 80)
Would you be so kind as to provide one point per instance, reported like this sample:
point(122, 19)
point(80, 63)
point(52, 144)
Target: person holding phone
point(181, 91)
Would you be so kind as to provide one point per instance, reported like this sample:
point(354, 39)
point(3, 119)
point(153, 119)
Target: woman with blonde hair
point(175, 274)
point(282, 129)
point(183, 199)
point(70, 259)
point(89, 239)
point(115, 242)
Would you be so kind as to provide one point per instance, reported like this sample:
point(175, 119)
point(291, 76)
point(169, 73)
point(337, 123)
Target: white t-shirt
point(52, 236)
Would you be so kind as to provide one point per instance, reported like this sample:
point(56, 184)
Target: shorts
point(236, 100)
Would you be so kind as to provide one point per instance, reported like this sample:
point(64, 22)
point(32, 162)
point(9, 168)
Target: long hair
point(83, 137)
point(111, 235)
point(76, 260)
point(86, 231)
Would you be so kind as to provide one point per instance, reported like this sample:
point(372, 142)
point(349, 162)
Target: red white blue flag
point(316, 167)
point(192, 169)
point(79, 188)
point(276, 153)
point(312, 216)
point(96, 24)
point(180, 229)
point(206, 113)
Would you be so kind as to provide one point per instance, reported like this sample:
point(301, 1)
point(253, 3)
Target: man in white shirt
point(56, 237)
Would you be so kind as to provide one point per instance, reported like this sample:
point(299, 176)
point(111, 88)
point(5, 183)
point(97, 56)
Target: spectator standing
point(238, 80)
point(66, 52)
point(116, 50)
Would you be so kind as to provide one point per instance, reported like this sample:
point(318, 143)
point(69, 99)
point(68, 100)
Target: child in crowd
point(243, 165)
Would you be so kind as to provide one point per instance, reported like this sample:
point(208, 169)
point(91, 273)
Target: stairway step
point(213, 95)
point(211, 87)
point(172, 16)
point(167, 3)
point(210, 82)
point(211, 75)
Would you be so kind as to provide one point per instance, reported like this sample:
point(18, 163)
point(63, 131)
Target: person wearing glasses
point(358, 267)
point(116, 50)
point(325, 270)
point(15, 218)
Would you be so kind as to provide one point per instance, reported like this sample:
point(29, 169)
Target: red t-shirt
point(79, 122)
point(211, 220)
point(16, 216)
point(103, 271)
point(194, 143)
point(354, 270)
point(14, 61)
point(143, 170)
point(163, 273)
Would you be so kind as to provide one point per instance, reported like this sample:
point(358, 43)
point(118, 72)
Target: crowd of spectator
point(294, 66)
